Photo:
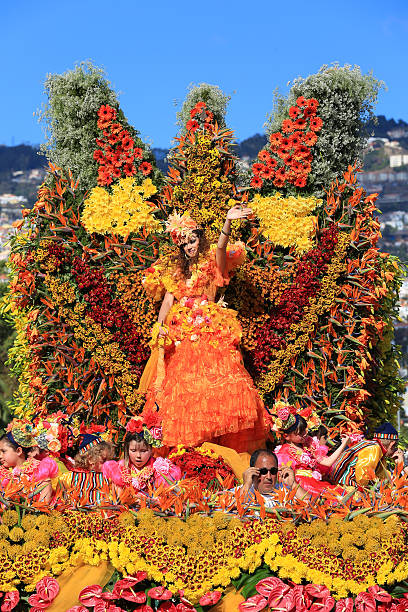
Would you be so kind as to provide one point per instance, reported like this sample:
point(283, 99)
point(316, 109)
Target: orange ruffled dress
point(206, 394)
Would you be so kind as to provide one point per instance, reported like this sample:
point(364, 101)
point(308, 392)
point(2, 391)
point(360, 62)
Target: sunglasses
point(264, 471)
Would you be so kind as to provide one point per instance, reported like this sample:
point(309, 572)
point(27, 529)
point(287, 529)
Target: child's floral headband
point(20, 432)
point(149, 426)
point(284, 416)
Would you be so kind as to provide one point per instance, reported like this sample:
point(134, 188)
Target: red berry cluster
point(306, 284)
point(288, 157)
point(60, 255)
point(203, 468)
point(108, 312)
point(117, 156)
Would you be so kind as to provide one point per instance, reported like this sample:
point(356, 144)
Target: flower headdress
point(149, 425)
point(180, 227)
point(54, 433)
point(20, 432)
point(282, 417)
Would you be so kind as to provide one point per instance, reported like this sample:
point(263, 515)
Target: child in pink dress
point(139, 469)
point(306, 455)
point(35, 475)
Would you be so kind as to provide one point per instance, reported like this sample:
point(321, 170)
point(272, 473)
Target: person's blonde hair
point(104, 451)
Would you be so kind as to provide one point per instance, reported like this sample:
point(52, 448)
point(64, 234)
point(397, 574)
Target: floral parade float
point(315, 299)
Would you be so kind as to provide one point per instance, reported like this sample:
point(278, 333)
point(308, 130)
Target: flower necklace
point(303, 455)
point(138, 479)
point(27, 468)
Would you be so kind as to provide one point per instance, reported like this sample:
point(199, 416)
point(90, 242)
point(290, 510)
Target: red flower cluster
point(200, 117)
point(306, 284)
point(288, 157)
point(107, 311)
point(117, 155)
point(194, 464)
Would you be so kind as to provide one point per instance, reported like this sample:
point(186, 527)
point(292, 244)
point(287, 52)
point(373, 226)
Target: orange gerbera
point(275, 139)
point(312, 103)
point(256, 182)
point(300, 124)
point(287, 126)
point(300, 182)
point(264, 155)
point(138, 153)
point(310, 139)
point(145, 168)
point(267, 173)
point(301, 101)
point(294, 112)
point(279, 182)
point(316, 124)
point(257, 168)
point(192, 125)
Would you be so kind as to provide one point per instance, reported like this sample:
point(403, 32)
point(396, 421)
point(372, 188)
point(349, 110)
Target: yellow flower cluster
point(287, 222)
point(181, 449)
point(206, 189)
point(123, 211)
point(300, 332)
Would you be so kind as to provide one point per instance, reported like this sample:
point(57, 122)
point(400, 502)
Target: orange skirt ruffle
point(207, 395)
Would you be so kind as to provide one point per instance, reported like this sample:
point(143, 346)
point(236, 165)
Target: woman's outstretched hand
point(238, 212)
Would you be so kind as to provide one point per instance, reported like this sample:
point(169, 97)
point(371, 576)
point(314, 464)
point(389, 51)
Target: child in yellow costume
point(203, 391)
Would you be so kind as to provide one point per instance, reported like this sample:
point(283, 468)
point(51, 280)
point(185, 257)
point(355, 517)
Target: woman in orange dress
point(202, 389)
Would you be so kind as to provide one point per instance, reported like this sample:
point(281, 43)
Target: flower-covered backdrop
point(315, 298)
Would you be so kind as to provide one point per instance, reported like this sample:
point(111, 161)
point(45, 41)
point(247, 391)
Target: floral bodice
point(306, 458)
point(164, 275)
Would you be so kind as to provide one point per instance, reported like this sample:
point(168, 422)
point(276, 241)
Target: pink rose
point(162, 465)
point(283, 413)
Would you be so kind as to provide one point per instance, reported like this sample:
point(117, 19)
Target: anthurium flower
point(167, 606)
point(160, 593)
point(302, 598)
point(323, 605)
point(78, 609)
point(365, 602)
point(37, 602)
point(124, 589)
point(266, 586)
point(379, 594)
point(210, 598)
point(317, 590)
point(345, 605)
point(90, 595)
point(47, 588)
point(10, 601)
point(253, 604)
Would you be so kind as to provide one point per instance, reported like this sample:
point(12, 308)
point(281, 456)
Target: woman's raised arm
point(237, 212)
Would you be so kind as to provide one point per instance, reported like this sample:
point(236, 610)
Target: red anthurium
point(324, 605)
point(365, 602)
point(145, 608)
point(101, 606)
point(47, 588)
point(345, 605)
point(90, 595)
point(210, 598)
point(185, 606)
point(302, 598)
point(167, 606)
point(253, 604)
point(124, 589)
point(160, 593)
point(37, 602)
point(266, 586)
point(277, 593)
point(10, 601)
point(78, 609)
point(379, 594)
point(317, 590)
point(139, 576)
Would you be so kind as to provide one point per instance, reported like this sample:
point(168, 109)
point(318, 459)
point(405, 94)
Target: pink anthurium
point(47, 588)
point(345, 605)
point(210, 599)
point(323, 605)
point(160, 593)
point(253, 604)
point(318, 591)
point(167, 606)
point(365, 602)
point(124, 589)
point(379, 594)
point(302, 599)
point(37, 602)
point(78, 609)
point(10, 601)
point(266, 586)
point(90, 595)
point(277, 594)
point(185, 606)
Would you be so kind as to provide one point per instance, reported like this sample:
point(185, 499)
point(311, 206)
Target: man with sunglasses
point(264, 476)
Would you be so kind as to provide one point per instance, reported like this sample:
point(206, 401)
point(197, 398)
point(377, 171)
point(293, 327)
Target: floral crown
point(284, 416)
point(148, 424)
point(54, 433)
point(180, 227)
point(20, 432)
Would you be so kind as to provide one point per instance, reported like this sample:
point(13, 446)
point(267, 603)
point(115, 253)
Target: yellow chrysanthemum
point(16, 534)
point(4, 532)
point(10, 518)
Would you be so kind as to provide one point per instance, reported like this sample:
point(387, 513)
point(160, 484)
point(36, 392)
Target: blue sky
point(153, 50)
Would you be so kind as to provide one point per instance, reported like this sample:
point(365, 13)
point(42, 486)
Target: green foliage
point(346, 101)
point(8, 383)
point(215, 99)
point(70, 117)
